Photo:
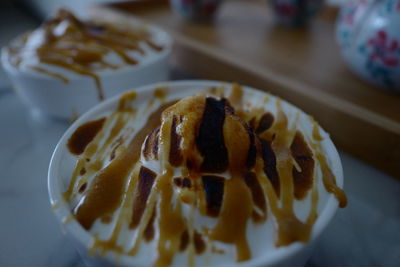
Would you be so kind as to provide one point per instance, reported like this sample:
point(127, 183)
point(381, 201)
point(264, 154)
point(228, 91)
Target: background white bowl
point(62, 164)
point(68, 100)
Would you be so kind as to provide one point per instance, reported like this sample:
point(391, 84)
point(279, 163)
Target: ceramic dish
point(367, 32)
point(60, 92)
point(129, 113)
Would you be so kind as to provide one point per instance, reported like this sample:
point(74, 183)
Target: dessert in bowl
point(68, 65)
point(196, 173)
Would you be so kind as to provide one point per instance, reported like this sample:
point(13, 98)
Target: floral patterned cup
point(198, 10)
point(368, 32)
point(295, 12)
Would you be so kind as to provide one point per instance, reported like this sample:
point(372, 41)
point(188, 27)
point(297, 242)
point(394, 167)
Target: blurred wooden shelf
point(302, 66)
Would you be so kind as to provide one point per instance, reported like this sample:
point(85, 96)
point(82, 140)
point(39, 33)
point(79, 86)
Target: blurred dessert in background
point(65, 44)
point(68, 65)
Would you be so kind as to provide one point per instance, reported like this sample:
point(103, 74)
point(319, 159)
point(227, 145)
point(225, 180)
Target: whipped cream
point(66, 48)
point(225, 176)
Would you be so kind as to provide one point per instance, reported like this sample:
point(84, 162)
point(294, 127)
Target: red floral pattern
point(196, 9)
point(384, 50)
point(286, 9)
point(209, 8)
point(294, 11)
point(352, 10)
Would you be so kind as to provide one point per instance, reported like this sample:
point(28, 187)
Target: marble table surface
point(366, 233)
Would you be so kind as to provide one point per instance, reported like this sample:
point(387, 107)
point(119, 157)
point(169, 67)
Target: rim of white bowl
point(62, 211)
point(5, 58)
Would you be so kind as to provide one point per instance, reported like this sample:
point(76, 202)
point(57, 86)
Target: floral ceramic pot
point(198, 10)
point(368, 32)
point(295, 12)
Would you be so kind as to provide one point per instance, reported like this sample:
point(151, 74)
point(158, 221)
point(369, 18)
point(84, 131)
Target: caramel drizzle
point(236, 96)
point(93, 156)
point(328, 177)
point(105, 195)
point(84, 135)
point(230, 227)
point(51, 73)
point(171, 224)
point(117, 172)
point(290, 228)
point(78, 69)
point(237, 141)
point(81, 46)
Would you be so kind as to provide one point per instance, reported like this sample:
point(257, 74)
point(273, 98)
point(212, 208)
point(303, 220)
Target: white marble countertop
point(366, 233)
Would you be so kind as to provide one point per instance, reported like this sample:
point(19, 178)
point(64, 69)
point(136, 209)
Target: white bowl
point(63, 163)
point(56, 98)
